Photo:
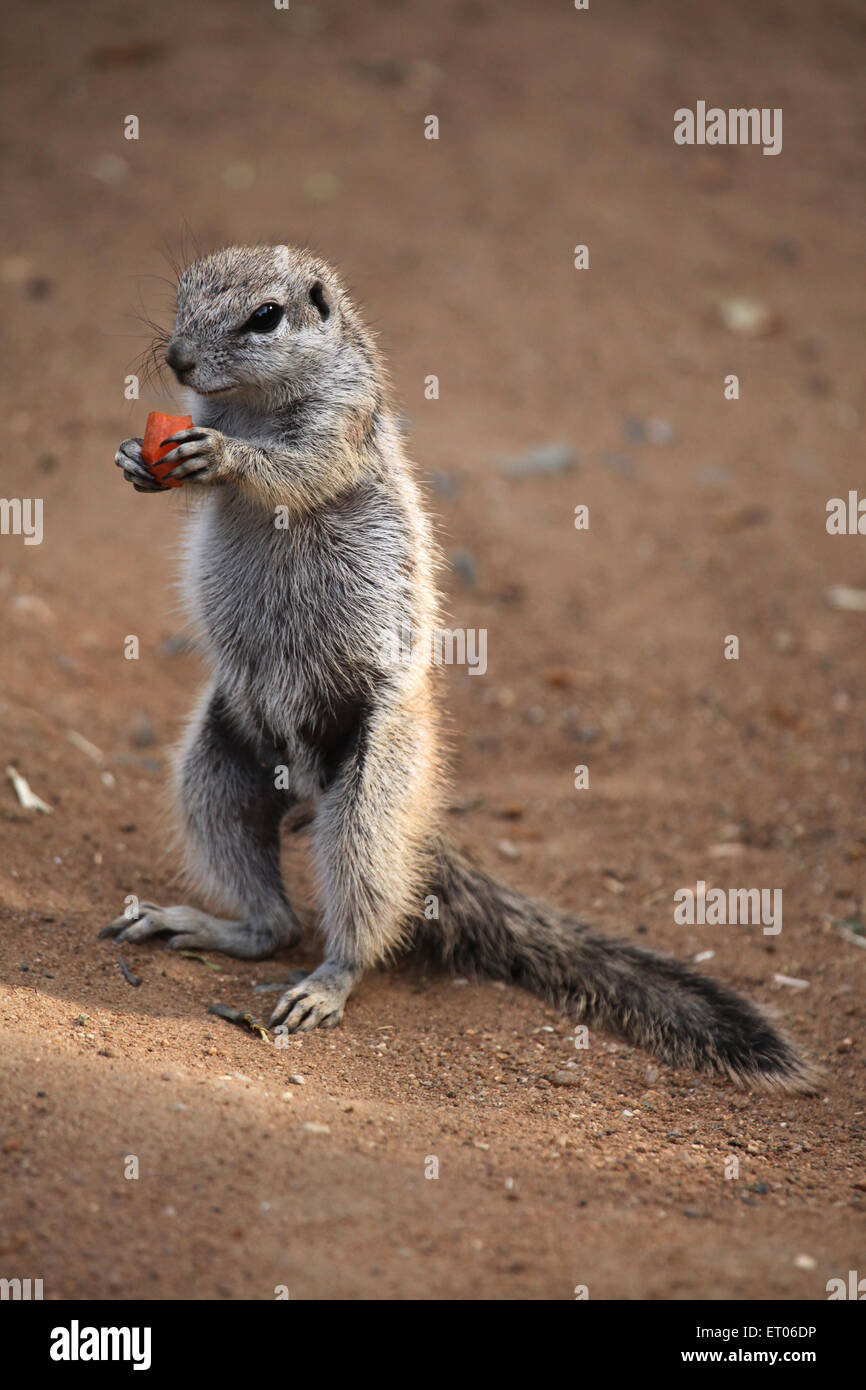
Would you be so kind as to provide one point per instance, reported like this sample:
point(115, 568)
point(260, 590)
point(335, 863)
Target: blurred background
point(558, 387)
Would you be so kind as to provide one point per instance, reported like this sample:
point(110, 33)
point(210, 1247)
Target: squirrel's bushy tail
point(486, 929)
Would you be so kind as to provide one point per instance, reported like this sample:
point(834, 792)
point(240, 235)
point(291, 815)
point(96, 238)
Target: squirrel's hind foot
point(318, 1001)
point(189, 929)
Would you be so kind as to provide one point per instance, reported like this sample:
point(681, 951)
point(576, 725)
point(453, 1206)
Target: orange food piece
point(158, 428)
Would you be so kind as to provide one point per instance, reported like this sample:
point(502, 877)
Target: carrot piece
point(158, 428)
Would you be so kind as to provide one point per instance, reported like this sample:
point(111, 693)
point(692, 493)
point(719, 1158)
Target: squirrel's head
point(264, 318)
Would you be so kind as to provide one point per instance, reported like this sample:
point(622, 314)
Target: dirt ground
point(605, 646)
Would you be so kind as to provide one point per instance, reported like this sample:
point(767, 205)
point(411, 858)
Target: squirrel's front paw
point(201, 456)
point(135, 470)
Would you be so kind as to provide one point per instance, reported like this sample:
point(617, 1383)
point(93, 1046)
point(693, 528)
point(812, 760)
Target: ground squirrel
point(309, 544)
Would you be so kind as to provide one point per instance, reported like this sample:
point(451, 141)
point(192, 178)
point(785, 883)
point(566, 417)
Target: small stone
point(547, 458)
point(296, 1080)
point(312, 1127)
point(558, 676)
point(846, 600)
point(142, 733)
point(444, 484)
point(659, 431)
point(133, 54)
point(30, 606)
point(633, 429)
point(747, 318)
point(785, 251)
point(175, 644)
point(508, 850)
point(464, 566)
point(110, 169)
point(728, 519)
point(40, 287)
point(805, 1262)
point(566, 1078)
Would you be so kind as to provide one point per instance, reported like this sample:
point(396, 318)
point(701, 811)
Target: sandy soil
point(605, 646)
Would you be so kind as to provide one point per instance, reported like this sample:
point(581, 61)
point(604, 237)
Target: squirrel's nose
point(179, 355)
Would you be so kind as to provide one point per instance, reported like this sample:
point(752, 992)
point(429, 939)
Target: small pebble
point(846, 600)
point(747, 318)
point(633, 429)
point(464, 566)
point(659, 432)
point(176, 643)
point(444, 484)
point(110, 169)
point(547, 458)
point(142, 733)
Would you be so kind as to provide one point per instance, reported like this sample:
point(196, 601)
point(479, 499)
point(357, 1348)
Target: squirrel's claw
point(135, 470)
point(317, 1002)
point(200, 456)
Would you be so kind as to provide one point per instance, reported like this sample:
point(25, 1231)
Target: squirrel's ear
point(320, 298)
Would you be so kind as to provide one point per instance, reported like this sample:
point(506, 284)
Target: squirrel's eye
point(266, 317)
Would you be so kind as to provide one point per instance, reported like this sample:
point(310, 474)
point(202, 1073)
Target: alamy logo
point(854, 1289)
point(76, 1343)
point(22, 516)
point(20, 1289)
point(846, 520)
point(736, 907)
point(442, 646)
point(736, 126)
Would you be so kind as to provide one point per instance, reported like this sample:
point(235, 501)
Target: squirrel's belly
point(294, 641)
